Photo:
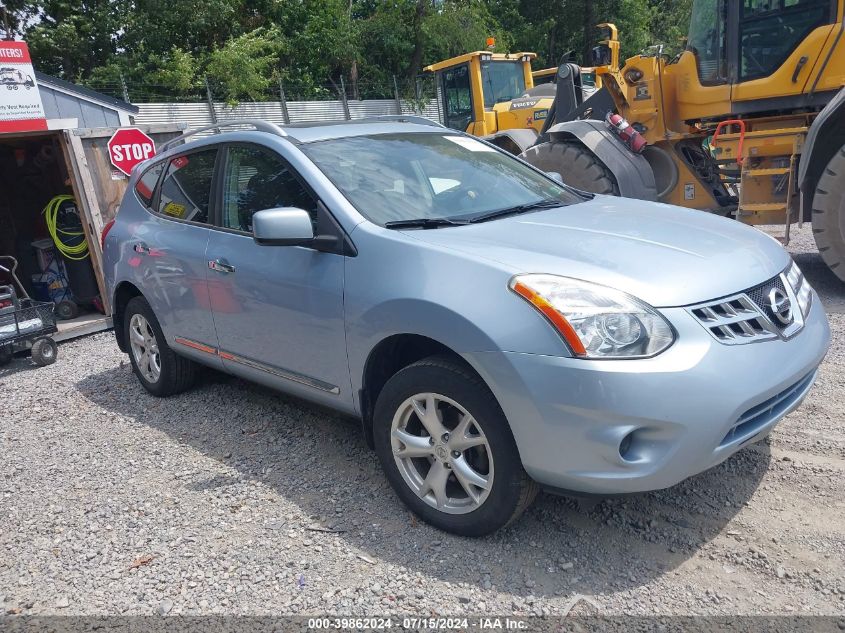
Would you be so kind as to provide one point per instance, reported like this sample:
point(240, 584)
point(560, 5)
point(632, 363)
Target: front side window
point(457, 95)
point(501, 81)
point(769, 30)
point(408, 176)
point(257, 179)
point(186, 188)
point(707, 40)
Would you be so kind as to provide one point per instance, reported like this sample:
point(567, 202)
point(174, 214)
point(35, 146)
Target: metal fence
point(288, 102)
point(199, 114)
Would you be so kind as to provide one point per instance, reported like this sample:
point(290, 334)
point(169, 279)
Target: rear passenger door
point(169, 251)
point(278, 310)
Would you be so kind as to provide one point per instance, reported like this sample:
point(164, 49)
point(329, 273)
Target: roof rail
point(409, 118)
point(258, 124)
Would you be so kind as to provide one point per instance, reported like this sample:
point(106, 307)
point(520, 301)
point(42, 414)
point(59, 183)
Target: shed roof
point(85, 94)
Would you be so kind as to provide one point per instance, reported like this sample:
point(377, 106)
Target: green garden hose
point(75, 252)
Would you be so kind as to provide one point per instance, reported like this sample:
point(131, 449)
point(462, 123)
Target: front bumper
point(686, 410)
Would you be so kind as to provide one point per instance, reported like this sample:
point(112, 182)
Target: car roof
point(306, 131)
point(309, 132)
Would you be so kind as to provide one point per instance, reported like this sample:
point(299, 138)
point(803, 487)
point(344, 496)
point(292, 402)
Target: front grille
point(746, 317)
point(760, 295)
point(734, 320)
point(759, 416)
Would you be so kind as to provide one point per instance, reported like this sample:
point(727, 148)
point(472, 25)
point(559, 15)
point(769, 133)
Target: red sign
point(128, 147)
point(20, 101)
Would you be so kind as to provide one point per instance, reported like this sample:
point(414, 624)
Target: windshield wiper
point(521, 208)
point(423, 223)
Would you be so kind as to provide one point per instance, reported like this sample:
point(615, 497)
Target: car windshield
point(501, 81)
point(416, 176)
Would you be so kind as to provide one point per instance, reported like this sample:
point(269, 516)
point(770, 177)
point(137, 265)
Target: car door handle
point(220, 266)
point(141, 248)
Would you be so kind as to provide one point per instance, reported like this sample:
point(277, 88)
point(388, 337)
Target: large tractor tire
point(829, 214)
point(577, 165)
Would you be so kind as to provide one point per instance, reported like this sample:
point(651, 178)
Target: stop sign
point(128, 147)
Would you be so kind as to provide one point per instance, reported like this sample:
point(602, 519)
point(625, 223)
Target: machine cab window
point(769, 30)
point(706, 41)
point(457, 95)
point(501, 81)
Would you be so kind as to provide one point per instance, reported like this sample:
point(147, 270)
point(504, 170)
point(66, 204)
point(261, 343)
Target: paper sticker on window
point(689, 191)
point(470, 143)
point(174, 209)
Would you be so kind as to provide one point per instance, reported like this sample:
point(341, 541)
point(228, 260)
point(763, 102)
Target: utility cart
point(24, 322)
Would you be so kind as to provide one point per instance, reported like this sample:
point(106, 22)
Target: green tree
point(14, 16)
point(164, 48)
point(244, 66)
point(71, 38)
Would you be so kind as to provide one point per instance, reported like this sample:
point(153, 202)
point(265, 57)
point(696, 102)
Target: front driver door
point(278, 310)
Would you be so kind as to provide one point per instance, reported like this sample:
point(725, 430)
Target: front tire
point(577, 165)
point(44, 352)
point(159, 369)
point(447, 449)
point(829, 214)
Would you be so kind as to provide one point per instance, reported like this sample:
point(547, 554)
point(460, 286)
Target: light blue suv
point(494, 330)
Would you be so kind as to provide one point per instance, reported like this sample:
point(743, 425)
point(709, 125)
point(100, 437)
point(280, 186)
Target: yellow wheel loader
point(747, 121)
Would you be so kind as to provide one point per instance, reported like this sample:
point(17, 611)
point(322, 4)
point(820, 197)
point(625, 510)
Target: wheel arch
point(825, 137)
point(387, 357)
point(123, 293)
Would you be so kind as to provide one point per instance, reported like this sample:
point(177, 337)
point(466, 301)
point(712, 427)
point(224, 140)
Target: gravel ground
point(234, 500)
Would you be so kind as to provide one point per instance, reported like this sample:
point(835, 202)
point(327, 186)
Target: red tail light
point(106, 230)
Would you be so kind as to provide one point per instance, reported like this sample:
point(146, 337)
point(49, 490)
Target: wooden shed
point(68, 159)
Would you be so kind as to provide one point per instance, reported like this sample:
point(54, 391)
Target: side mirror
point(555, 176)
point(285, 226)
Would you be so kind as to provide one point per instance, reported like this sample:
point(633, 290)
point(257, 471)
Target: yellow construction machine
point(747, 121)
point(492, 95)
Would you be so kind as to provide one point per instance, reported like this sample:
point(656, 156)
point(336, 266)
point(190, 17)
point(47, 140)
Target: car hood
point(665, 255)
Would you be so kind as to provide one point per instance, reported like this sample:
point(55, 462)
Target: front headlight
point(596, 321)
point(801, 287)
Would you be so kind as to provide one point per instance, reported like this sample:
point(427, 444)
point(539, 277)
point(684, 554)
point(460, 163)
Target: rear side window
point(146, 184)
point(186, 188)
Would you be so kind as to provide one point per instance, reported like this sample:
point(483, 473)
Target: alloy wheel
point(442, 453)
point(142, 341)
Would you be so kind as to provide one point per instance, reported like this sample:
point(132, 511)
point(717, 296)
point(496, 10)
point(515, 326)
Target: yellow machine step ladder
point(768, 161)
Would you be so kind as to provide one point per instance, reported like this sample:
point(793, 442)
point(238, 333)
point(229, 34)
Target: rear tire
point(829, 214)
point(159, 369)
point(577, 165)
point(6, 355)
point(484, 486)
